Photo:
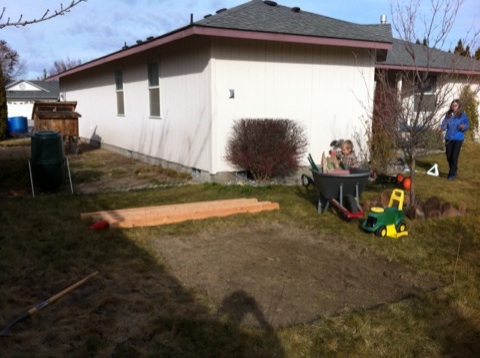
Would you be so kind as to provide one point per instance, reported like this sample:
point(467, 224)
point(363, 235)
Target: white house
point(22, 94)
point(446, 75)
point(175, 97)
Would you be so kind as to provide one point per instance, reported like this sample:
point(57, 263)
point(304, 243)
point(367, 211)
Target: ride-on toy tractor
point(389, 221)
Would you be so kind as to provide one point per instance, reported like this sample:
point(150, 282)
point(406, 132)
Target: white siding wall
point(181, 135)
point(326, 89)
point(96, 102)
point(186, 104)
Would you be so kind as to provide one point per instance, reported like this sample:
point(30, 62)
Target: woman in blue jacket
point(455, 123)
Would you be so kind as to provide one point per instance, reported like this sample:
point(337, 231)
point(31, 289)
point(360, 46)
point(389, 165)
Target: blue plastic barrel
point(48, 159)
point(17, 125)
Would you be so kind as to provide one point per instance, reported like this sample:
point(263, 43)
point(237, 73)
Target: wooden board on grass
point(167, 214)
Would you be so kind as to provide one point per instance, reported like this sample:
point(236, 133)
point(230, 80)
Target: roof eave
point(428, 69)
point(280, 37)
point(221, 32)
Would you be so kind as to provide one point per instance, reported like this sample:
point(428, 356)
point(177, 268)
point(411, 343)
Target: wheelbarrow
point(341, 190)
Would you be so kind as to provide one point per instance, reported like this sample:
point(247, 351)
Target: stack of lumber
point(168, 214)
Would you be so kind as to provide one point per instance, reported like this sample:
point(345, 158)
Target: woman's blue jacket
point(451, 126)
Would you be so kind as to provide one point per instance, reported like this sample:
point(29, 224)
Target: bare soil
point(278, 275)
point(268, 276)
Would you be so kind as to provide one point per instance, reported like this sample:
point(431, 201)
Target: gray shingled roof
point(256, 15)
point(435, 59)
point(49, 91)
point(259, 17)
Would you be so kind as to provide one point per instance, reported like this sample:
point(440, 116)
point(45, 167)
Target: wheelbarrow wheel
point(306, 181)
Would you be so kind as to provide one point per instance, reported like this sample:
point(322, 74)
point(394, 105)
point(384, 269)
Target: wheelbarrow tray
point(342, 190)
point(330, 184)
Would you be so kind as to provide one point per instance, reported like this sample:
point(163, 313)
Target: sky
point(96, 28)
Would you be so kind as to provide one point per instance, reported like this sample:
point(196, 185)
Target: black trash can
point(48, 160)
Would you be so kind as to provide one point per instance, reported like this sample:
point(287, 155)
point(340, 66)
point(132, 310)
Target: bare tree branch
point(46, 16)
point(411, 101)
point(64, 65)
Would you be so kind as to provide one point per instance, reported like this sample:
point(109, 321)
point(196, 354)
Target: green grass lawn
point(44, 247)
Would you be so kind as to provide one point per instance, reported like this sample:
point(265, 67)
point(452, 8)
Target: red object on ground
point(400, 178)
point(407, 183)
point(100, 225)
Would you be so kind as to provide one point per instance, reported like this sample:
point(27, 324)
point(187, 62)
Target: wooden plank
point(163, 208)
point(155, 219)
point(190, 211)
point(184, 211)
point(105, 214)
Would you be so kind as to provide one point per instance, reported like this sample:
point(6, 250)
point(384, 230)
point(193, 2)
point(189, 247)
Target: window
point(119, 90)
point(154, 89)
point(425, 98)
point(427, 103)
point(426, 85)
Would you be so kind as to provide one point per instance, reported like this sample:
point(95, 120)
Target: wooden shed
point(56, 116)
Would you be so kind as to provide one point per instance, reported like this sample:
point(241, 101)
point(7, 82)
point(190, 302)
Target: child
point(347, 156)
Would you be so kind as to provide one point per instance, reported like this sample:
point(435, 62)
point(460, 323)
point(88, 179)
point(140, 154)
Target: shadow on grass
point(132, 308)
point(422, 325)
point(308, 194)
point(424, 164)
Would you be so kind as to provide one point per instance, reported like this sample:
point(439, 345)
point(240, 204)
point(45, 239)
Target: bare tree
point(9, 59)
point(9, 66)
point(411, 97)
point(64, 65)
point(3, 106)
point(7, 21)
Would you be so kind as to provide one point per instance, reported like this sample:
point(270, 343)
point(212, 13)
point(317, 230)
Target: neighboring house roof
point(411, 56)
point(44, 90)
point(265, 20)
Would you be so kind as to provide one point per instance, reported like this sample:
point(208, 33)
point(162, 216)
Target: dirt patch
point(278, 275)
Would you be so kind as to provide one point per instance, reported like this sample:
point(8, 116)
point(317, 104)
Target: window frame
point(429, 95)
point(153, 82)
point(429, 88)
point(119, 92)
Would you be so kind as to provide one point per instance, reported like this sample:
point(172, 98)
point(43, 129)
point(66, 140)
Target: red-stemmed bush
point(266, 147)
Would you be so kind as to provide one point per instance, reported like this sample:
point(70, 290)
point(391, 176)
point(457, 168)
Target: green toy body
point(389, 221)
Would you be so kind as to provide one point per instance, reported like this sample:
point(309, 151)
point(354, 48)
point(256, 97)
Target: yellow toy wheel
point(401, 227)
point(381, 231)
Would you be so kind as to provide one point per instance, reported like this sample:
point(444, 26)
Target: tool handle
point(59, 295)
point(43, 304)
